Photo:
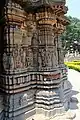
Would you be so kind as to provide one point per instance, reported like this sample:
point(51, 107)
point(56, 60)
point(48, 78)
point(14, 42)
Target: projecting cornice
point(33, 4)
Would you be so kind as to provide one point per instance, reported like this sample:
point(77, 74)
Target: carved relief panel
point(47, 58)
point(8, 62)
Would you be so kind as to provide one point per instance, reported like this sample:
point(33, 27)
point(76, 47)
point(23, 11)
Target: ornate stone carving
point(5, 60)
point(8, 61)
point(23, 100)
point(31, 57)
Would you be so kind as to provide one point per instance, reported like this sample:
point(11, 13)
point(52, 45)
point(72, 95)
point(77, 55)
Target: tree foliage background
point(71, 35)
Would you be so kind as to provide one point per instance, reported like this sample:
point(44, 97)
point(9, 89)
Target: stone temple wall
point(33, 78)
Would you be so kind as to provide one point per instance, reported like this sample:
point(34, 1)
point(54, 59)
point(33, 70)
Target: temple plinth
point(33, 78)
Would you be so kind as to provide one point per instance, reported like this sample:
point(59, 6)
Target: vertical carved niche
point(46, 47)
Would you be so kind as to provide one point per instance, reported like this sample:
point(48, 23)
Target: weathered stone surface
point(33, 77)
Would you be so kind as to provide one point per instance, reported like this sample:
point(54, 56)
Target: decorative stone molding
point(32, 77)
